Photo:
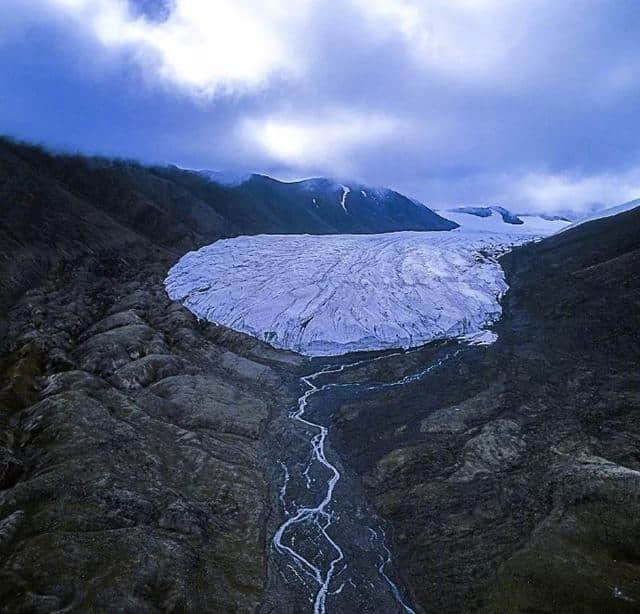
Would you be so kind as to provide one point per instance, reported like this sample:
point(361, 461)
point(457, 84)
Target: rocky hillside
point(132, 475)
point(131, 459)
point(511, 474)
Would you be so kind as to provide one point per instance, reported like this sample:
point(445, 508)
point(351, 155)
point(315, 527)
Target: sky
point(529, 104)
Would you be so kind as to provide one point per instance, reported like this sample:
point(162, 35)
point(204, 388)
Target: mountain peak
point(322, 205)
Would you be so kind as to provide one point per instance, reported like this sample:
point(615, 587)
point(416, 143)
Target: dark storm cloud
point(532, 105)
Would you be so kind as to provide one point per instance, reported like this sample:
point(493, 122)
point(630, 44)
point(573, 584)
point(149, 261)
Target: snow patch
point(484, 337)
point(532, 227)
point(343, 199)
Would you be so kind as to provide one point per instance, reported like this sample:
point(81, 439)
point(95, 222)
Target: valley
point(154, 461)
point(319, 307)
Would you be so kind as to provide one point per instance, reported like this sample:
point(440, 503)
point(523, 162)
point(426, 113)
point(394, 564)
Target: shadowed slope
point(511, 476)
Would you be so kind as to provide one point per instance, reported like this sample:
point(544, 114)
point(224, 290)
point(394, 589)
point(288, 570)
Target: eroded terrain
point(133, 455)
point(511, 475)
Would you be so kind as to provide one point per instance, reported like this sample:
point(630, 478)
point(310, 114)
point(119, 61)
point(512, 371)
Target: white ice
point(484, 337)
point(533, 226)
point(332, 294)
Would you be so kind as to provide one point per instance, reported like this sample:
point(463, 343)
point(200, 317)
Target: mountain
point(132, 436)
point(322, 206)
point(150, 461)
point(510, 473)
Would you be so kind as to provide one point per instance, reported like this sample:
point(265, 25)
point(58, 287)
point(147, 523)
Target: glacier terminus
point(334, 294)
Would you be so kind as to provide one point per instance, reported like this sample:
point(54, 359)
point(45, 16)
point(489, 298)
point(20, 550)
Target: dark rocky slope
point(511, 475)
point(323, 206)
point(132, 476)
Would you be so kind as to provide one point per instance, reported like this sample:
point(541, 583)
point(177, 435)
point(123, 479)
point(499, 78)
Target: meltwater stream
point(309, 540)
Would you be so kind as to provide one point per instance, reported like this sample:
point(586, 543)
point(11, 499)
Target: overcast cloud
point(529, 104)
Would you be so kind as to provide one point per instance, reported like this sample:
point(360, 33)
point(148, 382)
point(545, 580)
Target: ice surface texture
point(332, 294)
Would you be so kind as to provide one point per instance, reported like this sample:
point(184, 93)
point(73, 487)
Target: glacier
point(532, 226)
point(334, 294)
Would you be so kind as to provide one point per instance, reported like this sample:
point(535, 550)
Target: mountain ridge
point(324, 205)
point(61, 208)
point(510, 476)
point(607, 212)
